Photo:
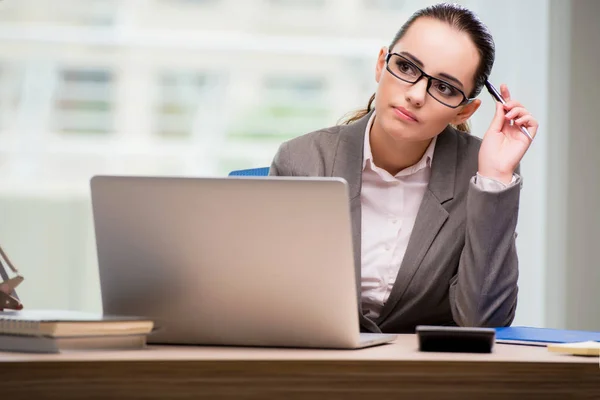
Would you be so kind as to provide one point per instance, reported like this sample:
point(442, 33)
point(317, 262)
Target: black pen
point(496, 95)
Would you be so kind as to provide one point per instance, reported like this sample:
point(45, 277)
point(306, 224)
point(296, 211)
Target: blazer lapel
point(348, 157)
point(347, 163)
point(430, 217)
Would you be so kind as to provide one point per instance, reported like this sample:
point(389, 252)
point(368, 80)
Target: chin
point(398, 131)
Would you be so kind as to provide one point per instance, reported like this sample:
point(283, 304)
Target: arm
point(281, 162)
point(484, 291)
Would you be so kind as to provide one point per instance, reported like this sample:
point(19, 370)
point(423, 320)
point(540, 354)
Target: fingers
point(529, 122)
point(516, 112)
point(498, 120)
point(512, 104)
point(513, 111)
point(522, 117)
point(505, 92)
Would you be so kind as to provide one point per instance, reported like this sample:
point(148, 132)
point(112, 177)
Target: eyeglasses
point(405, 70)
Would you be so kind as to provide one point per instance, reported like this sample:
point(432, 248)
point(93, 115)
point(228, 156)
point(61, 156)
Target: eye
point(406, 68)
point(445, 89)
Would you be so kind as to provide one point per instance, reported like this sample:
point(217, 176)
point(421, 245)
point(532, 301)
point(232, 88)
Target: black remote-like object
point(455, 339)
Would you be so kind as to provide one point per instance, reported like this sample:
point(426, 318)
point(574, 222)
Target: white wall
point(582, 267)
point(557, 167)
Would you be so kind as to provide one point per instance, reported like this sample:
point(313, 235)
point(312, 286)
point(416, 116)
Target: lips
point(403, 112)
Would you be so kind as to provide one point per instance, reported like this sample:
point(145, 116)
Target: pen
point(496, 95)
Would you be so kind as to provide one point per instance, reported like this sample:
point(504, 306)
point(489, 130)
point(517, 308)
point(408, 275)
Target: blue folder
point(542, 336)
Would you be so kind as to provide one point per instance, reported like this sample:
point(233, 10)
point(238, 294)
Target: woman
point(434, 209)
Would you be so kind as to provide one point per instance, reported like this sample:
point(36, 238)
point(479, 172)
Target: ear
point(380, 64)
point(465, 113)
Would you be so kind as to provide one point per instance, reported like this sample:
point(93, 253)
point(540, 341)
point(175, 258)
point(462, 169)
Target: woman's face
point(440, 51)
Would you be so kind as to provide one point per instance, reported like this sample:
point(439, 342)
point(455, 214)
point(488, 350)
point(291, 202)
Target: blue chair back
point(263, 171)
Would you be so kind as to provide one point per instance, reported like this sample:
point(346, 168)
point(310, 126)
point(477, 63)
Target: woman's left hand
point(504, 145)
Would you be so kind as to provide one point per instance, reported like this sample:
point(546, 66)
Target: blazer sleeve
point(281, 164)
point(484, 291)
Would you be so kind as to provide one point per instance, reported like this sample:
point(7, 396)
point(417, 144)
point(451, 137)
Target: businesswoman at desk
point(433, 208)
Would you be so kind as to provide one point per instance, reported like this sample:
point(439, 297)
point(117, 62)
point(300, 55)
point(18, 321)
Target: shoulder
point(309, 154)
point(325, 142)
point(467, 143)
point(459, 149)
point(467, 147)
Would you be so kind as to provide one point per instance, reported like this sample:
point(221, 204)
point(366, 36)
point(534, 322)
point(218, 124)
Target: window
point(386, 5)
point(289, 106)
point(84, 101)
point(297, 3)
point(64, 12)
point(181, 98)
point(198, 2)
point(93, 13)
point(10, 81)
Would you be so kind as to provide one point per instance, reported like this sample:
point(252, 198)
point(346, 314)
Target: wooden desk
point(377, 373)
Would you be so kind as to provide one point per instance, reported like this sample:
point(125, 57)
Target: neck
point(394, 155)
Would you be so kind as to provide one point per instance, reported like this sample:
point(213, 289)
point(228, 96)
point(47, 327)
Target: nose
point(417, 92)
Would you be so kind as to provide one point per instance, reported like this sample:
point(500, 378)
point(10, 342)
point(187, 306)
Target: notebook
point(61, 323)
point(47, 344)
point(542, 336)
point(590, 349)
point(52, 331)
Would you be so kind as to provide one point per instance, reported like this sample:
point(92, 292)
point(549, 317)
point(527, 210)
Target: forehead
point(442, 49)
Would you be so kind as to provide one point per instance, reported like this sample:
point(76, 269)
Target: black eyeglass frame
point(388, 56)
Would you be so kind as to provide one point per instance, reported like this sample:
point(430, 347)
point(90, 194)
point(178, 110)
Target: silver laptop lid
point(233, 261)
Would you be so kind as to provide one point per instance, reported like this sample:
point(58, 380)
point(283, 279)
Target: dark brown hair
point(463, 20)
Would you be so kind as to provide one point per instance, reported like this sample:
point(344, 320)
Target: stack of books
point(54, 331)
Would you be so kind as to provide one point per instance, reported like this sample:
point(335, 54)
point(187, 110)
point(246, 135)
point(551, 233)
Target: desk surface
point(391, 369)
point(403, 349)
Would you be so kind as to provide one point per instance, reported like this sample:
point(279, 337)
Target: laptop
point(238, 261)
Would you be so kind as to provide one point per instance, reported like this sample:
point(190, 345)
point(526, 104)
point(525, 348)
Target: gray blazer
point(460, 267)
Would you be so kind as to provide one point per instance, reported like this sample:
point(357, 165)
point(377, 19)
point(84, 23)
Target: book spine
point(19, 327)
